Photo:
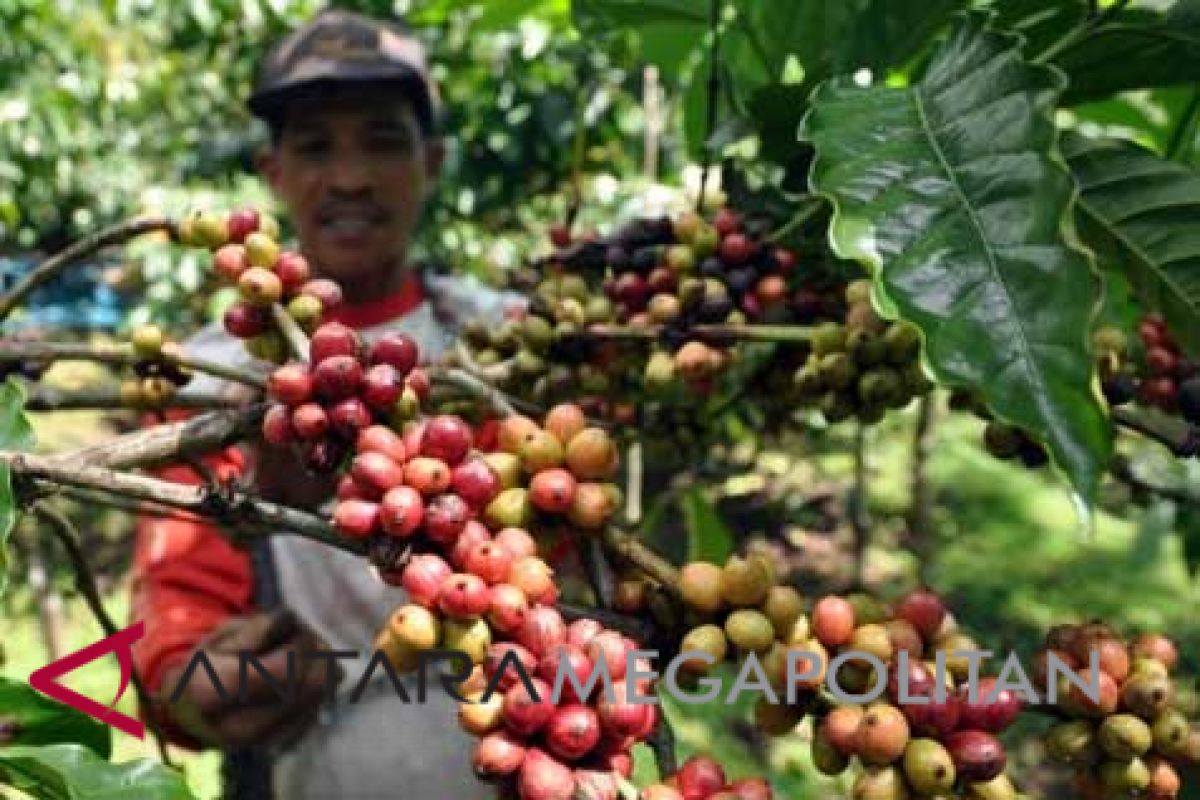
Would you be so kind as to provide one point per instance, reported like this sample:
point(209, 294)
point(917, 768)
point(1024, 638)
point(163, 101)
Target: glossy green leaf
point(1140, 48)
point(1041, 22)
point(39, 720)
point(1140, 212)
point(709, 538)
point(953, 194)
point(15, 434)
point(73, 772)
point(834, 38)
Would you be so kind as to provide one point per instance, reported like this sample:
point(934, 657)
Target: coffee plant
point(912, 204)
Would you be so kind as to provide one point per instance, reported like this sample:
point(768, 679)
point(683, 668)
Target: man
point(354, 155)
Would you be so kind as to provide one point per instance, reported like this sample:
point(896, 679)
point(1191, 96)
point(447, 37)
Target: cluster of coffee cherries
point(1130, 739)
point(478, 586)
point(490, 596)
point(737, 609)
point(1162, 377)
point(657, 275)
point(703, 778)
point(349, 397)
point(863, 366)
point(246, 254)
point(426, 481)
point(155, 376)
point(1169, 380)
point(923, 740)
point(1001, 440)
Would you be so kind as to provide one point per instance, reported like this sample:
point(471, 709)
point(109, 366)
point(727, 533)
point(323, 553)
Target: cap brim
point(268, 103)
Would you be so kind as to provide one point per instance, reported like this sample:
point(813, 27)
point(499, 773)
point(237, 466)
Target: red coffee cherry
point(334, 339)
point(464, 595)
point(356, 519)
point(523, 714)
point(402, 511)
point(573, 731)
point(396, 349)
point(423, 578)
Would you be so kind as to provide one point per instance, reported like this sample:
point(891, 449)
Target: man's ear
point(435, 158)
point(266, 161)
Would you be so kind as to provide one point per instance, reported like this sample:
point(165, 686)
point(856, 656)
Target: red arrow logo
point(45, 680)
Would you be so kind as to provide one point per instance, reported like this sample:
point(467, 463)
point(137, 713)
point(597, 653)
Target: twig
point(809, 208)
point(492, 374)
point(858, 504)
point(652, 111)
point(634, 472)
point(119, 354)
point(92, 498)
point(1182, 439)
point(297, 339)
point(919, 520)
point(85, 581)
point(1185, 124)
point(44, 398)
point(718, 334)
point(599, 572)
point(230, 506)
point(476, 387)
point(714, 96)
point(1123, 471)
point(39, 568)
point(635, 552)
point(578, 154)
point(638, 629)
point(1081, 32)
point(662, 744)
point(55, 264)
point(165, 444)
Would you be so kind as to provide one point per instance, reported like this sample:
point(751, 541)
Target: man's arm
point(187, 581)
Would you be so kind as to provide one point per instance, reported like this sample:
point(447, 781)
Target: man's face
point(355, 172)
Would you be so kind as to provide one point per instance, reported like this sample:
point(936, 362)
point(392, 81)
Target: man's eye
point(312, 147)
point(391, 142)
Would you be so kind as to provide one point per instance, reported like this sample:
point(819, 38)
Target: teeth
point(348, 225)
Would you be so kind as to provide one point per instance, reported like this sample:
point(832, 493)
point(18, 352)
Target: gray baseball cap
point(343, 47)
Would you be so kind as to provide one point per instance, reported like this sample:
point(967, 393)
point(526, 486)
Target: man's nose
point(352, 174)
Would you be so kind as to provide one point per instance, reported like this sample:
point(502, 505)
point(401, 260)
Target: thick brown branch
point(231, 506)
point(165, 444)
point(52, 266)
point(121, 355)
point(44, 398)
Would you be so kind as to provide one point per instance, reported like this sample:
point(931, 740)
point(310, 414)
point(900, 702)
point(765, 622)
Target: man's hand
point(277, 473)
point(279, 476)
point(264, 717)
